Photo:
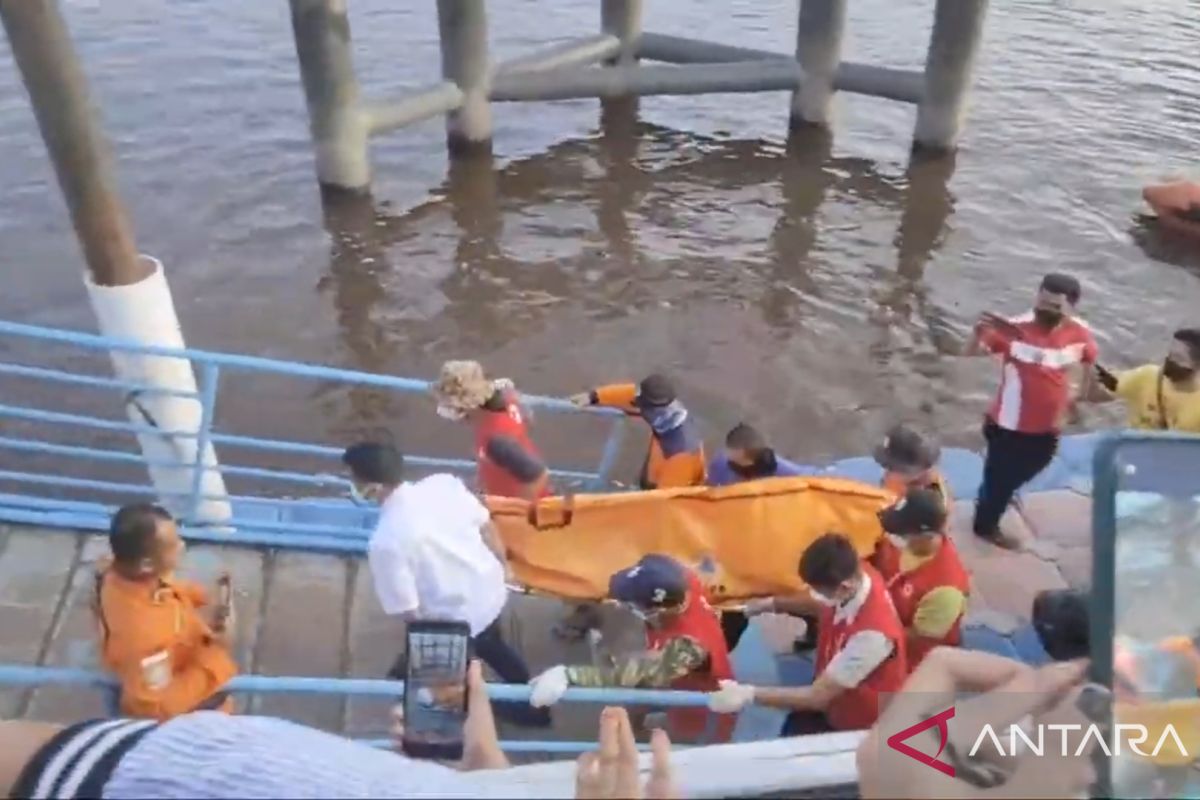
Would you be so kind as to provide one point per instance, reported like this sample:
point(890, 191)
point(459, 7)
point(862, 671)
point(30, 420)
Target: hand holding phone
point(435, 689)
point(1107, 379)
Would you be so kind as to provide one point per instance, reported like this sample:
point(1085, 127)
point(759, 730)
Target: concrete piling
point(622, 19)
point(819, 52)
point(462, 27)
point(339, 125)
point(43, 51)
point(957, 31)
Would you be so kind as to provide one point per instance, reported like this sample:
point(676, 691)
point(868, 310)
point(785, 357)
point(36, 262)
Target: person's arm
point(652, 669)
point(937, 613)
point(798, 605)
point(155, 687)
point(194, 591)
point(615, 395)
point(395, 585)
point(862, 655)
point(986, 339)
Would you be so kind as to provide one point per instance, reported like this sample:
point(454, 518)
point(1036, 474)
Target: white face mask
point(899, 542)
point(452, 414)
point(363, 497)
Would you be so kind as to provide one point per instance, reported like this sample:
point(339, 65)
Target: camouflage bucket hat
point(463, 386)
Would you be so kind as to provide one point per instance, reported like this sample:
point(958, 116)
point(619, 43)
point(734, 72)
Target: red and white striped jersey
point(1034, 386)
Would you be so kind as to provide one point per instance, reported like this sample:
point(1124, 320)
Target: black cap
point(508, 454)
point(655, 391)
point(656, 581)
point(919, 511)
point(905, 448)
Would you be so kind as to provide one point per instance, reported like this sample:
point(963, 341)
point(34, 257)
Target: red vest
point(701, 622)
point(909, 588)
point(858, 708)
point(509, 422)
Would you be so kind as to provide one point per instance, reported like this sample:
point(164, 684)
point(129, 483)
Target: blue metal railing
point(29, 677)
point(58, 495)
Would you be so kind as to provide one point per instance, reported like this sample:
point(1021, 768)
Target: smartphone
point(435, 689)
point(1107, 379)
point(1145, 615)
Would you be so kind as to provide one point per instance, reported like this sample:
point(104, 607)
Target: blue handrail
point(32, 677)
point(321, 519)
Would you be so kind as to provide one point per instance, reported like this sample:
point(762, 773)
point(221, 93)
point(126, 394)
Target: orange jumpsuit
point(678, 461)
point(153, 639)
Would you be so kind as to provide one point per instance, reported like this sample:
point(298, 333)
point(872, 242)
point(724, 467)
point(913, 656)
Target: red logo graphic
point(896, 741)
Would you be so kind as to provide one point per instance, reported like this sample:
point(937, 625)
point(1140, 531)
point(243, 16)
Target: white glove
point(549, 687)
point(731, 698)
point(763, 605)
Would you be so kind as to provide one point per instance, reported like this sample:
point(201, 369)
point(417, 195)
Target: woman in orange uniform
point(493, 408)
point(169, 658)
point(925, 576)
point(676, 454)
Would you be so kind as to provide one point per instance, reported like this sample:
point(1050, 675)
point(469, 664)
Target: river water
point(820, 289)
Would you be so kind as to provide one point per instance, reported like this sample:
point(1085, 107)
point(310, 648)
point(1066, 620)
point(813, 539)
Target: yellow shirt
point(1139, 389)
point(939, 609)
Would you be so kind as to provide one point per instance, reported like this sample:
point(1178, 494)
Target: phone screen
point(1147, 595)
point(435, 696)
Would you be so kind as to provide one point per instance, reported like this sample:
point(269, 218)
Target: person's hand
point(481, 744)
point(549, 687)
point(1012, 693)
point(761, 605)
point(583, 399)
point(613, 771)
point(223, 611)
point(731, 698)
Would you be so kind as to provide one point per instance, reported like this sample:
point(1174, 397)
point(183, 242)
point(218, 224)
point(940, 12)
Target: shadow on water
point(640, 248)
point(1163, 245)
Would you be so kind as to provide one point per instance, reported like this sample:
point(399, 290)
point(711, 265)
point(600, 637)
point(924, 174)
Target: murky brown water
point(820, 288)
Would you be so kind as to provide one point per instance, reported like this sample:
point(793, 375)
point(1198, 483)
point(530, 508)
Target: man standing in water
point(1023, 426)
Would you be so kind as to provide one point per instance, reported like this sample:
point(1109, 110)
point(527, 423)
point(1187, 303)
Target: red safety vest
point(701, 622)
point(509, 422)
point(909, 588)
point(858, 708)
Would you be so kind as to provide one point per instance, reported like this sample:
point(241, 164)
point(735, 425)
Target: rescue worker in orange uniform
point(685, 648)
point(676, 454)
point(493, 408)
point(909, 460)
point(526, 471)
point(169, 656)
point(861, 648)
point(925, 576)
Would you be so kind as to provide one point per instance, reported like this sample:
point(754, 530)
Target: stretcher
point(743, 540)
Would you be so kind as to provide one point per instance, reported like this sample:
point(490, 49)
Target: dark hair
point(828, 561)
point(1191, 338)
point(1058, 283)
point(508, 454)
point(131, 531)
point(375, 463)
point(1061, 620)
point(746, 437)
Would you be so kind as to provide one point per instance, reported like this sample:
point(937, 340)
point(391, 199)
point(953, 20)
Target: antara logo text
point(1017, 740)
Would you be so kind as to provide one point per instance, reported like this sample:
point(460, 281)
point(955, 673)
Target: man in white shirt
point(435, 554)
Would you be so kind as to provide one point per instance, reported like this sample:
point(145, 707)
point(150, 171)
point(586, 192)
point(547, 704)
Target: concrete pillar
point(42, 49)
point(957, 31)
point(819, 52)
point(337, 121)
point(622, 19)
point(462, 28)
point(129, 292)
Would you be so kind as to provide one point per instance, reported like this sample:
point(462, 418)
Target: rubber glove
point(731, 698)
point(549, 687)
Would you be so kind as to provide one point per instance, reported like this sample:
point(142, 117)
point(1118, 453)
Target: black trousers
point(803, 723)
point(1013, 459)
point(490, 648)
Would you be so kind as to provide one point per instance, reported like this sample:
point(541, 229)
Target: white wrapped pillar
point(819, 51)
point(144, 313)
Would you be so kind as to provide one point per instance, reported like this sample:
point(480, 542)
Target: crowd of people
point(877, 624)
